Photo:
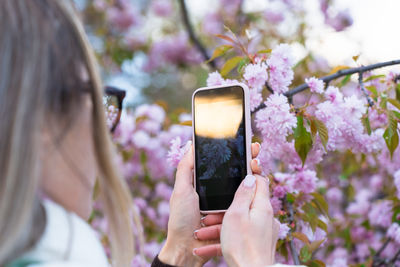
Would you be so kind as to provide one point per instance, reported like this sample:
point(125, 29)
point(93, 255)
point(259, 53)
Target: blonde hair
point(42, 48)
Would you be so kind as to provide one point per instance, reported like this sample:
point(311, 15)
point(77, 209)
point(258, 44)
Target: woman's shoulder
point(67, 241)
point(59, 264)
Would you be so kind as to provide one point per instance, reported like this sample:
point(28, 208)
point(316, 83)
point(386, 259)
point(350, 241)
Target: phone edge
point(247, 122)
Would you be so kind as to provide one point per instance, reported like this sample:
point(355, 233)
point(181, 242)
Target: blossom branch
point(361, 83)
point(342, 73)
point(377, 260)
point(395, 258)
point(291, 243)
point(269, 88)
point(192, 35)
point(338, 74)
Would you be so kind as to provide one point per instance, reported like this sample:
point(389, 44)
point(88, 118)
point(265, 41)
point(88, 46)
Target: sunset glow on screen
point(218, 117)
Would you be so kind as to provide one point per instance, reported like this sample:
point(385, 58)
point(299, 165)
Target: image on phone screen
point(220, 145)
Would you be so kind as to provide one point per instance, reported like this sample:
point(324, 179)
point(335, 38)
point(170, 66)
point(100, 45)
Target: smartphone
point(222, 144)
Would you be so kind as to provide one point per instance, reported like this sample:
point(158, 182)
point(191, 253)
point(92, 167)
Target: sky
point(373, 34)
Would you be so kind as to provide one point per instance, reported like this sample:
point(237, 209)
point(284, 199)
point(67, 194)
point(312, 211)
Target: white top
point(69, 241)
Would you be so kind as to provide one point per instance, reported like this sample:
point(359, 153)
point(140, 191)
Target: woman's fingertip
point(258, 144)
point(195, 234)
point(258, 161)
point(194, 251)
point(202, 221)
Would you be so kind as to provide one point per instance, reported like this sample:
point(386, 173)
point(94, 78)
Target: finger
point(212, 219)
point(244, 195)
point(261, 199)
point(255, 149)
point(208, 251)
point(255, 166)
point(276, 226)
point(184, 173)
point(208, 233)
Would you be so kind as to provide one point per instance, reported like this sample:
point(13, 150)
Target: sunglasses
point(112, 101)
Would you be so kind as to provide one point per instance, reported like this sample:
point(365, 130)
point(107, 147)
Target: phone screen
point(220, 145)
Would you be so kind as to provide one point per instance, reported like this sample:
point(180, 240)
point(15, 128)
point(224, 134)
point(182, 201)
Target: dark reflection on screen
point(220, 145)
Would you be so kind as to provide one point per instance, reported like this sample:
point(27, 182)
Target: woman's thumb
point(244, 194)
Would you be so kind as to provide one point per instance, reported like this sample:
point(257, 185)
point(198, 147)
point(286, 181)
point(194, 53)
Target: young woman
point(54, 144)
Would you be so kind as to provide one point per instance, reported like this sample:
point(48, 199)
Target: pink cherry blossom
point(316, 85)
point(381, 213)
point(256, 75)
point(397, 182)
point(284, 229)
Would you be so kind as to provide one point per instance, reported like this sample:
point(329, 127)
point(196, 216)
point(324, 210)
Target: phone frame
point(247, 121)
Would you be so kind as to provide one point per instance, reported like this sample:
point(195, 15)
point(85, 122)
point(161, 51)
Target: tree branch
point(291, 243)
point(192, 36)
point(395, 258)
point(342, 73)
point(376, 259)
point(361, 83)
point(338, 74)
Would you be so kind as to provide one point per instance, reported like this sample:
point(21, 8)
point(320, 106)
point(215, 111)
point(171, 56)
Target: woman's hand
point(192, 240)
point(249, 231)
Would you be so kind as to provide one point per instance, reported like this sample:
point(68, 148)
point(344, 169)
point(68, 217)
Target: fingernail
point(249, 181)
point(194, 251)
point(258, 161)
point(259, 145)
point(202, 221)
point(195, 234)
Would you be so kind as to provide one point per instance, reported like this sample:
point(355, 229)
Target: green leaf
point(345, 80)
point(310, 215)
point(322, 132)
point(186, 123)
point(305, 254)
point(290, 198)
point(367, 124)
point(321, 224)
point(398, 92)
point(383, 101)
point(315, 244)
point(397, 114)
point(313, 129)
point(390, 135)
point(302, 140)
point(315, 263)
point(394, 102)
point(265, 51)
point(373, 90)
point(230, 65)
point(219, 51)
point(302, 237)
point(242, 63)
point(373, 77)
point(321, 203)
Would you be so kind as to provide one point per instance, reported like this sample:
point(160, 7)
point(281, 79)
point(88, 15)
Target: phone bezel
point(247, 121)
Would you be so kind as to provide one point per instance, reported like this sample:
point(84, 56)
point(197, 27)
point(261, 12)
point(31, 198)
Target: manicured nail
point(194, 252)
point(249, 181)
point(202, 221)
point(258, 161)
point(195, 234)
point(259, 145)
